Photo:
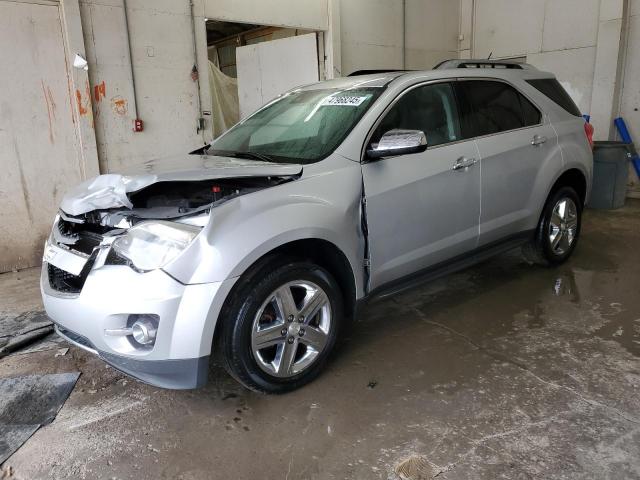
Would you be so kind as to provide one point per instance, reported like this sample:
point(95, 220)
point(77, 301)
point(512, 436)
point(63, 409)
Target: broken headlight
point(151, 245)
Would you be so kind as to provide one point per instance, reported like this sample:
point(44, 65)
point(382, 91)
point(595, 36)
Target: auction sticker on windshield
point(348, 101)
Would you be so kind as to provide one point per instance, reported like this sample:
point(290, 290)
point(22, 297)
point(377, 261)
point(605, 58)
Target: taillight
point(588, 130)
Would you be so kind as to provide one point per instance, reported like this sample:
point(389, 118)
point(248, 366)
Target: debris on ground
point(61, 352)
point(29, 402)
point(6, 472)
point(415, 467)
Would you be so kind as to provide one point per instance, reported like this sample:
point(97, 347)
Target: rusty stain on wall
point(51, 109)
point(99, 91)
point(119, 105)
point(81, 108)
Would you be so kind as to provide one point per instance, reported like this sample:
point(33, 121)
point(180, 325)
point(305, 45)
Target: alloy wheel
point(563, 226)
point(291, 328)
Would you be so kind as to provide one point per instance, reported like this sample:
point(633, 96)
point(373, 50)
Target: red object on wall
point(138, 125)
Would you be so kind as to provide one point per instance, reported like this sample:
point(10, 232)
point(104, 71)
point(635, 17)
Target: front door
point(420, 210)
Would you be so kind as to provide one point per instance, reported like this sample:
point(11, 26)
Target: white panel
point(508, 27)
point(562, 18)
point(265, 70)
point(249, 78)
point(611, 9)
point(38, 145)
point(573, 68)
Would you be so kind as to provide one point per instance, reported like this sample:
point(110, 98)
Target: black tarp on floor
point(28, 402)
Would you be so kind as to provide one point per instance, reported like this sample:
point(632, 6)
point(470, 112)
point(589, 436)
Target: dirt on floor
point(505, 370)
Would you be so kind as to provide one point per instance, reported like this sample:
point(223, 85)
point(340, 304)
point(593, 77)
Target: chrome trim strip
point(67, 260)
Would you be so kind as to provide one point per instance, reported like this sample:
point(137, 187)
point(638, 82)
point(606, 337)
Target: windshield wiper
point(246, 154)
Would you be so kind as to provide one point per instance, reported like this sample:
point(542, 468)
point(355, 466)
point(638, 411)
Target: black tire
point(539, 250)
point(234, 340)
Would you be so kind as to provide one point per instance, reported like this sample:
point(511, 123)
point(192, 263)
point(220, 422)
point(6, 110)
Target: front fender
point(325, 206)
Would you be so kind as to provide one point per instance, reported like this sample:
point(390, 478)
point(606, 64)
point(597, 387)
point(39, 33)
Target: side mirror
point(399, 142)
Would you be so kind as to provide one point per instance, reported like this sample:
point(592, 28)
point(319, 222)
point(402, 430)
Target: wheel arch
point(574, 178)
point(320, 251)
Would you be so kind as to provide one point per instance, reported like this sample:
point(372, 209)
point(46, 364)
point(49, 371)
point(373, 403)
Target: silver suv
point(259, 247)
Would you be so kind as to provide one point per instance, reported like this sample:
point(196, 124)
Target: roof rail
point(473, 63)
point(357, 73)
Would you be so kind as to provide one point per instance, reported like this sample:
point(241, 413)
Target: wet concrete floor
point(505, 370)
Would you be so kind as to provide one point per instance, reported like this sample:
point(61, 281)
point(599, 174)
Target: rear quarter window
point(551, 88)
point(492, 107)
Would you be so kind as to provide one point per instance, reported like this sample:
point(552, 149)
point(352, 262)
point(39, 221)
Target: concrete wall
point(555, 35)
point(629, 105)
point(309, 14)
point(591, 45)
point(163, 56)
point(373, 33)
point(630, 97)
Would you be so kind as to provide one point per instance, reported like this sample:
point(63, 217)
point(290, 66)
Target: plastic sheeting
point(224, 99)
point(103, 191)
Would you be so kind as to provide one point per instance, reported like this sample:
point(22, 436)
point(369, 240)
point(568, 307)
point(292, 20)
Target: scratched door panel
point(38, 156)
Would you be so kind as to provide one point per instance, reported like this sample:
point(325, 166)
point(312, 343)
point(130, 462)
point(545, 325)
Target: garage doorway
point(250, 64)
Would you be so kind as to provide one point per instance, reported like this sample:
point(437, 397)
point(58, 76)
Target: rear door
point(515, 141)
point(420, 211)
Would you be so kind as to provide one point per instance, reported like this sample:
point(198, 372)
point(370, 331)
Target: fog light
point(144, 329)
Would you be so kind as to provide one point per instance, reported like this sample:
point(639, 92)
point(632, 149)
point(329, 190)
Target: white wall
point(630, 95)
point(373, 33)
point(555, 35)
point(581, 41)
point(630, 98)
point(308, 14)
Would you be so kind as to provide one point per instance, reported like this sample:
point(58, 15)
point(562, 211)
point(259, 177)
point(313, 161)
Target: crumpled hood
point(110, 190)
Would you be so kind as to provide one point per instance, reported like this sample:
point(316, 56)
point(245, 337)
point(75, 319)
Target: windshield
point(301, 127)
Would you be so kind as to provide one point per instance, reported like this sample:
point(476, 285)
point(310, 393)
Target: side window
point(552, 89)
point(493, 107)
point(431, 109)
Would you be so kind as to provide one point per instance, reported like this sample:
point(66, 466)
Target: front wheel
point(558, 230)
point(280, 325)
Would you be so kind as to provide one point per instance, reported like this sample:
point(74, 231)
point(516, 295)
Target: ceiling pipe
point(200, 123)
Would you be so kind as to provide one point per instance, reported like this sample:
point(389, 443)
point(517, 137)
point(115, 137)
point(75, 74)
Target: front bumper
point(187, 318)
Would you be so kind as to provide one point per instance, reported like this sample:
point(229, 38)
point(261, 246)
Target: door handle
point(538, 140)
point(463, 163)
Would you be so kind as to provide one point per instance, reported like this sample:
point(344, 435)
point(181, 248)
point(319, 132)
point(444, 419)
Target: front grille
point(65, 282)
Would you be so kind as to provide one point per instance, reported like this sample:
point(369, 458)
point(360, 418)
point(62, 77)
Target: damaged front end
point(144, 222)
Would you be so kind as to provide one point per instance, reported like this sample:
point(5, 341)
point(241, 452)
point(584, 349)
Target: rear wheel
point(280, 325)
point(559, 228)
